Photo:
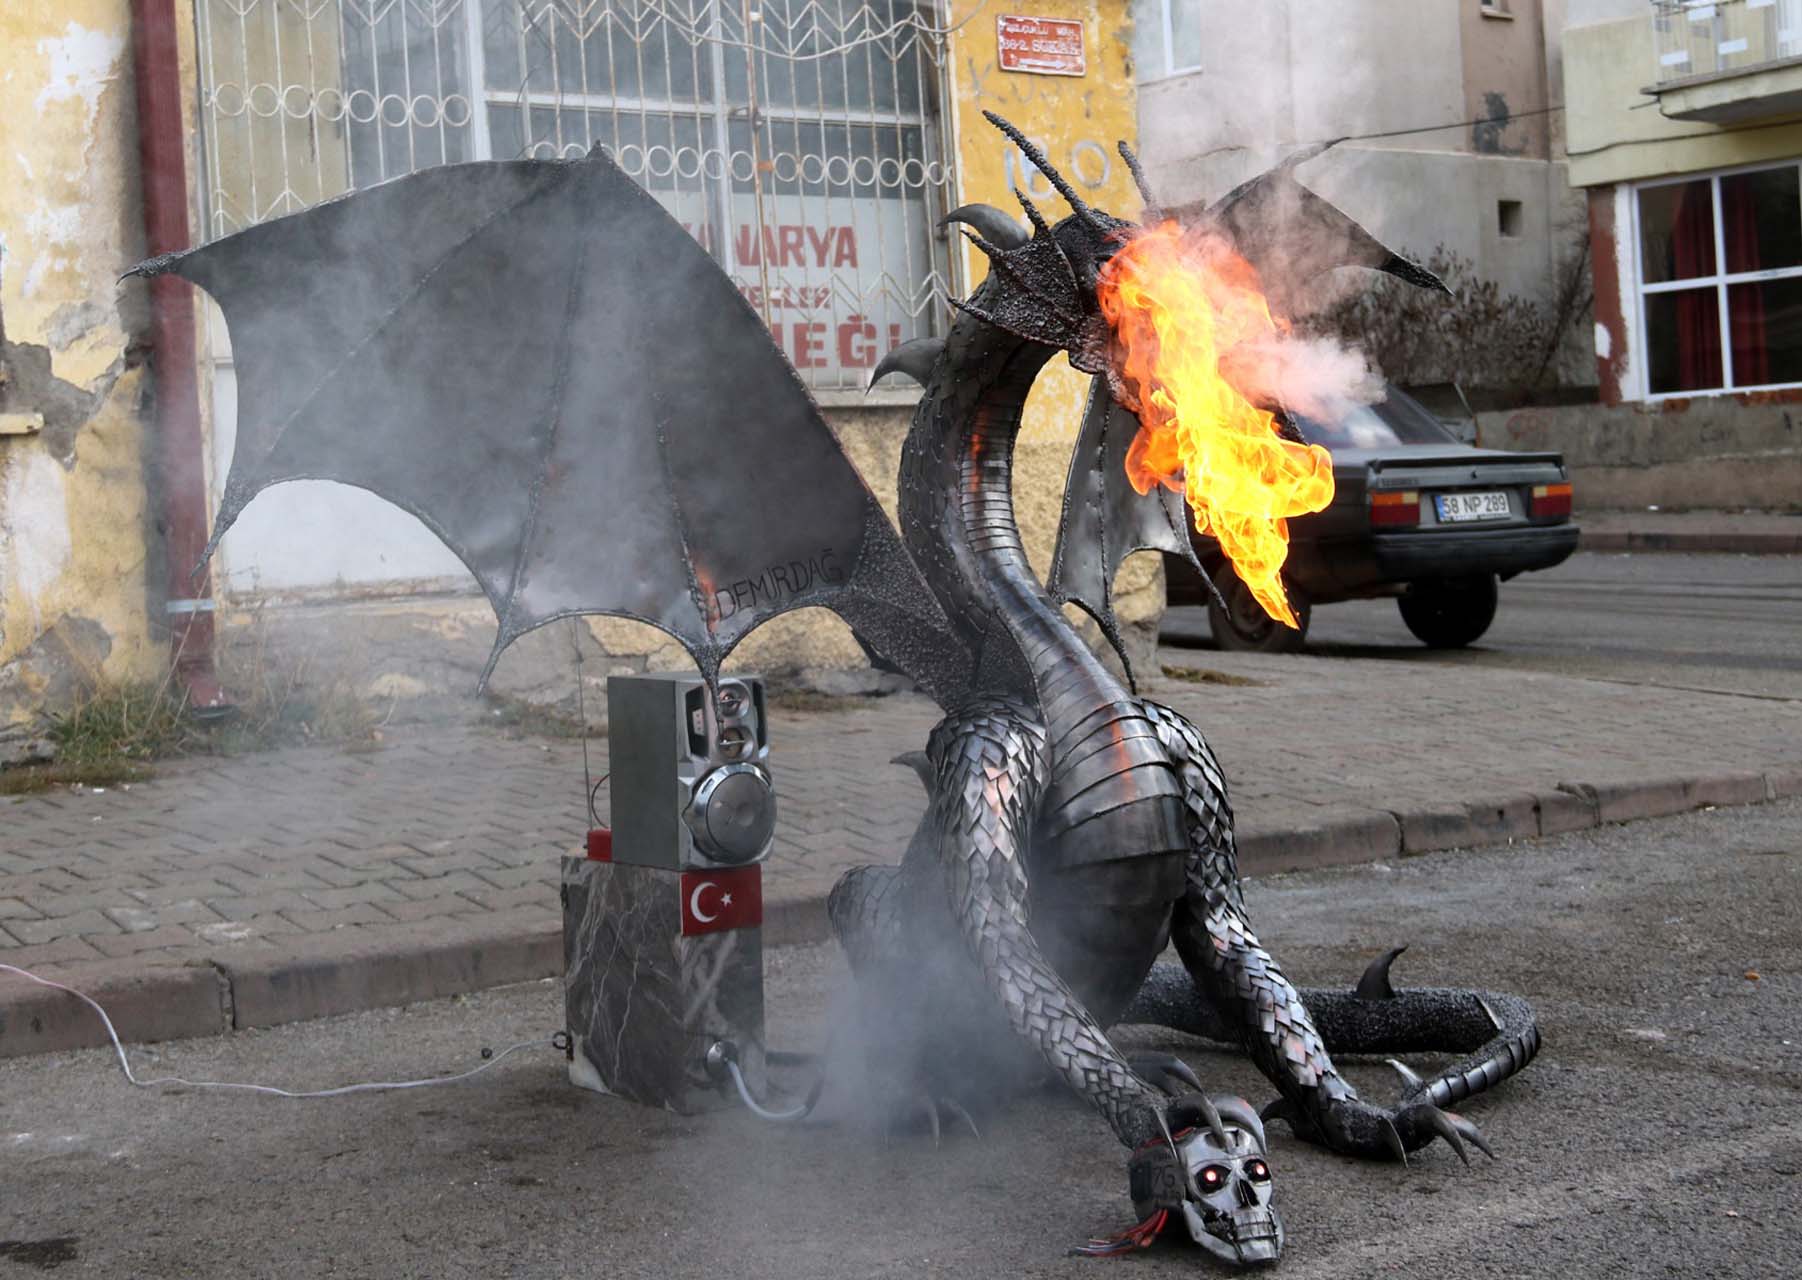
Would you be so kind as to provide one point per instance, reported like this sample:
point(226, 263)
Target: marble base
point(644, 1002)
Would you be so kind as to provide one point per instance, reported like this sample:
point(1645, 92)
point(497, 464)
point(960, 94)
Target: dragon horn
point(991, 222)
point(914, 358)
point(1077, 204)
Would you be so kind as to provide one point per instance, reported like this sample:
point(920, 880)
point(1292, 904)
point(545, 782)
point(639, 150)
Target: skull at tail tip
point(1233, 1219)
point(1211, 1172)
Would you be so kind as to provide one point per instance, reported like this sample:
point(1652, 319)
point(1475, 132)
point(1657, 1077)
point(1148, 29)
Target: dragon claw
point(1394, 1140)
point(1167, 1072)
point(935, 1111)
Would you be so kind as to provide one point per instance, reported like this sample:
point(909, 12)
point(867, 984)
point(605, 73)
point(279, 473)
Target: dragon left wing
point(1105, 519)
point(542, 365)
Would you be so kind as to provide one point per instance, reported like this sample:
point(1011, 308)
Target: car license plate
point(1457, 507)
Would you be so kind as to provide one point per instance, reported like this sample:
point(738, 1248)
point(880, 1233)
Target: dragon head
point(1188, 318)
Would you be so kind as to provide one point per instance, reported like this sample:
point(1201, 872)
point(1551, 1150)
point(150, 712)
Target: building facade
point(811, 148)
point(1684, 136)
point(1448, 114)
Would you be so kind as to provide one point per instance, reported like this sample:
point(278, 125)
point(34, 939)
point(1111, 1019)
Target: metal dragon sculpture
point(536, 360)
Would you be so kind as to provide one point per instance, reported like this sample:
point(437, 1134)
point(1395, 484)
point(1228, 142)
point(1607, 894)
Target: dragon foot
point(934, 1113)
point(1351, 1126)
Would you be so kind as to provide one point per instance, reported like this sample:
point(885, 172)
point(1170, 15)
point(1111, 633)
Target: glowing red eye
point(1213, 1176)
point(1258, 1170)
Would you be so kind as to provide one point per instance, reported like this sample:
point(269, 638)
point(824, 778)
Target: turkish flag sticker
point(717, 900)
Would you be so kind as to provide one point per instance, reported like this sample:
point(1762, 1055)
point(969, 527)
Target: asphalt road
point(1714, 622)
point(1658, 1134)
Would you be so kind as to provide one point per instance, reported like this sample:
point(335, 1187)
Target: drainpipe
point(179, 444)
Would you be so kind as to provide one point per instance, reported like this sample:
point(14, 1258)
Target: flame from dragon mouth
point(1184, 309)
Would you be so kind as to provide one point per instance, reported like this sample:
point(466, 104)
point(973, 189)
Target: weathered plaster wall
point(73, 518)
point(1712, 452)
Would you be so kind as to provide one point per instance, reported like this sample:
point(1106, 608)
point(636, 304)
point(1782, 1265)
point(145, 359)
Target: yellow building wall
point(73, 514)
point(1078, 121)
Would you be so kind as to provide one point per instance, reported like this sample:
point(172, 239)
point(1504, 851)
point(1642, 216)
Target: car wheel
point(1243, 626)
point(1449, 613)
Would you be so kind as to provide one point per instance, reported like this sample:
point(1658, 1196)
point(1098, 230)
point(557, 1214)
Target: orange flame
point(1181, 308)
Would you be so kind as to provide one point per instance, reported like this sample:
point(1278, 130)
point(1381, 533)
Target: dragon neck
point(957, 508)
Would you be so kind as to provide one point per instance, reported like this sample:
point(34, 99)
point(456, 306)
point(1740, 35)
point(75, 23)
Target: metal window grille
point(800, 141)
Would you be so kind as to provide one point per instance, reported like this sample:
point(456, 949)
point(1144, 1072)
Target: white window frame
point(1167, 44)
point(1719, 281)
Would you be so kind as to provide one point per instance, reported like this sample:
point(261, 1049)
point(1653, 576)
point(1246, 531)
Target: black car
point(1416, 514)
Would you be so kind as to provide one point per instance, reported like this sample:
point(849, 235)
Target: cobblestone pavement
point(224, 857)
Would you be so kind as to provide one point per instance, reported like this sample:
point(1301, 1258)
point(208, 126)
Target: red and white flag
point(716, 900)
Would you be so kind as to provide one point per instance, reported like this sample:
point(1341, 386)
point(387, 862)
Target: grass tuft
point(1206, 675)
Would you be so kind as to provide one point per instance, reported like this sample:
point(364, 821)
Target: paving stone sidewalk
point(257, 889)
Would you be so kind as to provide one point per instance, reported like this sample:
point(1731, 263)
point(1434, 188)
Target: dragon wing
point(1289, 235)
point(539, 363)
point(1105, 519)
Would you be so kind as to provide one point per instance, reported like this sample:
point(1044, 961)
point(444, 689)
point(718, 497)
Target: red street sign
point(1041, 46)
point(716, 900)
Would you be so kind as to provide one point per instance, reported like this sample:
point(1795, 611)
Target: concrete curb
point(320, 976)
point(1752, 544)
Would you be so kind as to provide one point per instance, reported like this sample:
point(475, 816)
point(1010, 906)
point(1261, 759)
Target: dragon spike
point(999, 258)
point(1239, 1111)
point(1211, 1114)
point(1041, 227)
point(1152, 208)
point(914, 358)
point(978, 312)
point(1374, 985)
point(1078, 205)
point(1032, 213)
point(991, 222)
point(1413, 1082)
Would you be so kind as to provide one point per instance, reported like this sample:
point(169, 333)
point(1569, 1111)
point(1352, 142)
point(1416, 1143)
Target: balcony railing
point(1693, 38)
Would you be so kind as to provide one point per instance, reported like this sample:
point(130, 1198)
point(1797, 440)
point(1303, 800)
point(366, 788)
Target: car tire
point(1244, 627)
point(1449, 613)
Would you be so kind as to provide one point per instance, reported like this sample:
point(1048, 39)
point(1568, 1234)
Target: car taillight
point(1395, 508)
point(1550, 500)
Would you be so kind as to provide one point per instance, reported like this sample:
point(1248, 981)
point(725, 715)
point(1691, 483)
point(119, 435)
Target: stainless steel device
point(691, 784)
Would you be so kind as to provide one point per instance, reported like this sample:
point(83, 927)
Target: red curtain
point(1698, 314)
point(1745, 303)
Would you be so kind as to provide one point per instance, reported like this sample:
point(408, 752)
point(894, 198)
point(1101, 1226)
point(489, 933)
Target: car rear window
point(1398, 419)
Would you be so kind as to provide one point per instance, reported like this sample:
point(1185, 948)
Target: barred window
point(799, 141)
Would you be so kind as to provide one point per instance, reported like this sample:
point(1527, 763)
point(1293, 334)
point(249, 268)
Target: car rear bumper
point(1403, 557)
